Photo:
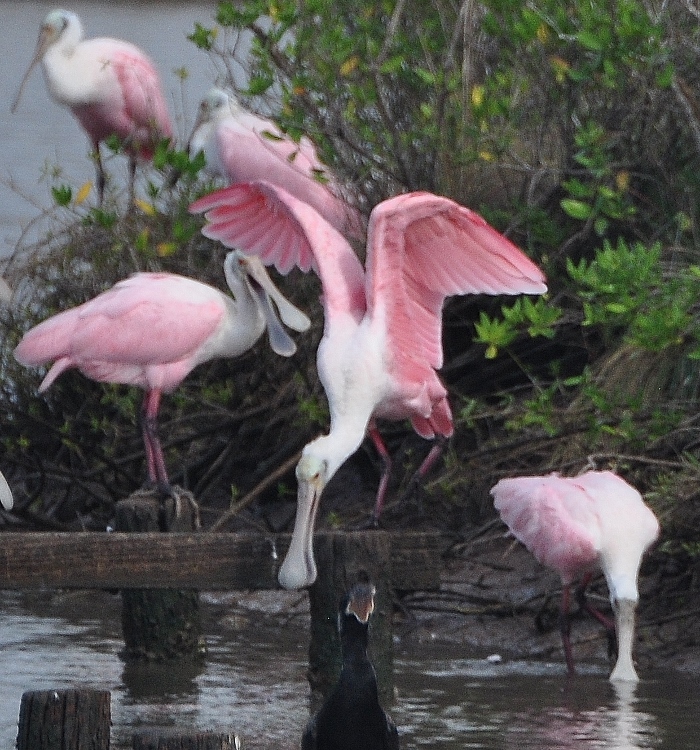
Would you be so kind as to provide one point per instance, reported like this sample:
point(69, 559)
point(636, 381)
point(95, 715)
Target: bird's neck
point(355, 658)
point(337, 446)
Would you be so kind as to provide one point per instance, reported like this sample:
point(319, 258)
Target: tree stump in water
point(64, 720)
point(178, 740)
point(342, 559)
point(159, 624)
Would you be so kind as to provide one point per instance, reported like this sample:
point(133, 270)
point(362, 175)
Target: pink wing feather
point(422, 248)
point(265, 220)
point(145, 320)
point(554, 518)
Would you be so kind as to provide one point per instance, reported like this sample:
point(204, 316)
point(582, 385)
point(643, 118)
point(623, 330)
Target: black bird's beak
point(361, 601)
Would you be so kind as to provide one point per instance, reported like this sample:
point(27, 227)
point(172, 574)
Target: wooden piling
point(342, 559)
point(174, 739)
point(158, 624)
point(64, 720)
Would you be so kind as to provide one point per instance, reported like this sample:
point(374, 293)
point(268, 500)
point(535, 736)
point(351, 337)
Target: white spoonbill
point(152, 329)
point(576, 525)
point(382, 344)
point(243, 147)
point(111, 87)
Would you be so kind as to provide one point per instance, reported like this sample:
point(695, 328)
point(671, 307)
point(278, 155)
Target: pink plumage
point(576, 525)
point(152, 329)
point(382, 326)
point(110, 85)
point(241, 146)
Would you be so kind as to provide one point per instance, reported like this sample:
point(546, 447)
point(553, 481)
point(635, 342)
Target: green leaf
point(576, 209)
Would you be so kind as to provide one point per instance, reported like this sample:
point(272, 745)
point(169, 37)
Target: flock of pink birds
point(381, 345)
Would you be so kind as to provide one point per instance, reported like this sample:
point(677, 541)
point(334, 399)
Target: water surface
point(42, 144)
point(253, 682)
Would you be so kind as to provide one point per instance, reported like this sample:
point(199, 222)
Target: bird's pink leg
point(157, 472)
point(386, 471)
point(565, 628)
point(101, 180)
point(132, 179)
point(583, 602)
point(428, 462)
point(606, 622)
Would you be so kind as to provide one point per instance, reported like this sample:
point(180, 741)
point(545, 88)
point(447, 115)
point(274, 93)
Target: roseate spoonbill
point(5, 493)
point(243, 147)
point(352, 717)
point(111, 87)
point(576, 525)
point(152, 329)
point(382, 333)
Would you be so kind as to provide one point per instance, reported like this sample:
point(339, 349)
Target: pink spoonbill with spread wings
point(243, 147)
point(152, 329)
point(382, 332)
point(576, 525)
point(111, 87)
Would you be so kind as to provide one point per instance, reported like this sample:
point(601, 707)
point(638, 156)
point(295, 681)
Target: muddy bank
point(496, 600)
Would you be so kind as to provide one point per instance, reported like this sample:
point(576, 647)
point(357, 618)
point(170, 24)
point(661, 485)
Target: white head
point(319, 461)
point(216, 105)
point(58, 25)
point(247, 275)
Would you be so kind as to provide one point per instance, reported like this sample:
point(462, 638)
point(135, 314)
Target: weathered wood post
point(158, 624)
point(64, 720)
point(174, 739)
point(342, 558)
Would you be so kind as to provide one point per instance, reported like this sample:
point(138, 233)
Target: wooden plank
point(204, 561)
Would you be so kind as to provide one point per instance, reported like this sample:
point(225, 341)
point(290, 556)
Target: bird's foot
point(178, 510)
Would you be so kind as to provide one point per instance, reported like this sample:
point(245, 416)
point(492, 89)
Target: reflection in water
point(632, 728)
point(617, 723)
point(253, 682)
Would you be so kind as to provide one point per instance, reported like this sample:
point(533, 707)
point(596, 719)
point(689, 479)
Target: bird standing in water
point(382, 338)
point(152, 329)
point(576, 525)
point(110, 85)
point(351, 718)
point(243, 147)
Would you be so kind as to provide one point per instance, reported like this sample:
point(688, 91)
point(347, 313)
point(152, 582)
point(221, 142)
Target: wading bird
point(111, 87)
point(381, 344)
point(243, 147)
point(352, 717)
point(152, 329)
point(576, 525)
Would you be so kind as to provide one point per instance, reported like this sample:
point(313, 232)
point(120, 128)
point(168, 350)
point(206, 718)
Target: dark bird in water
point(351, 717)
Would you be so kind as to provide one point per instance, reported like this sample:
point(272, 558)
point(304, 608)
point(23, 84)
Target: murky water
point(253, 682)
point(43, 137)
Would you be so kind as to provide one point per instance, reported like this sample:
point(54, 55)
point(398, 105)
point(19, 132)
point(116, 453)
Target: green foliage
point(537, 318)
point(626, 291)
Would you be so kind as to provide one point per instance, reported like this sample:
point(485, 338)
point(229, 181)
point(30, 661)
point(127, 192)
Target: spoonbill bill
point(5, 493)
point(152, 329)
point(243, 147)
point(381, 344)
point(111, 87)
point(352, 717)
point(576, 525)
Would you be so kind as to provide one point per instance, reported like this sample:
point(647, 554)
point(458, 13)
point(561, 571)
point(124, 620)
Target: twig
point(259, 488)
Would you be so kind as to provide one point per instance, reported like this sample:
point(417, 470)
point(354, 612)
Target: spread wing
point(423, 248)
point(265, 220)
